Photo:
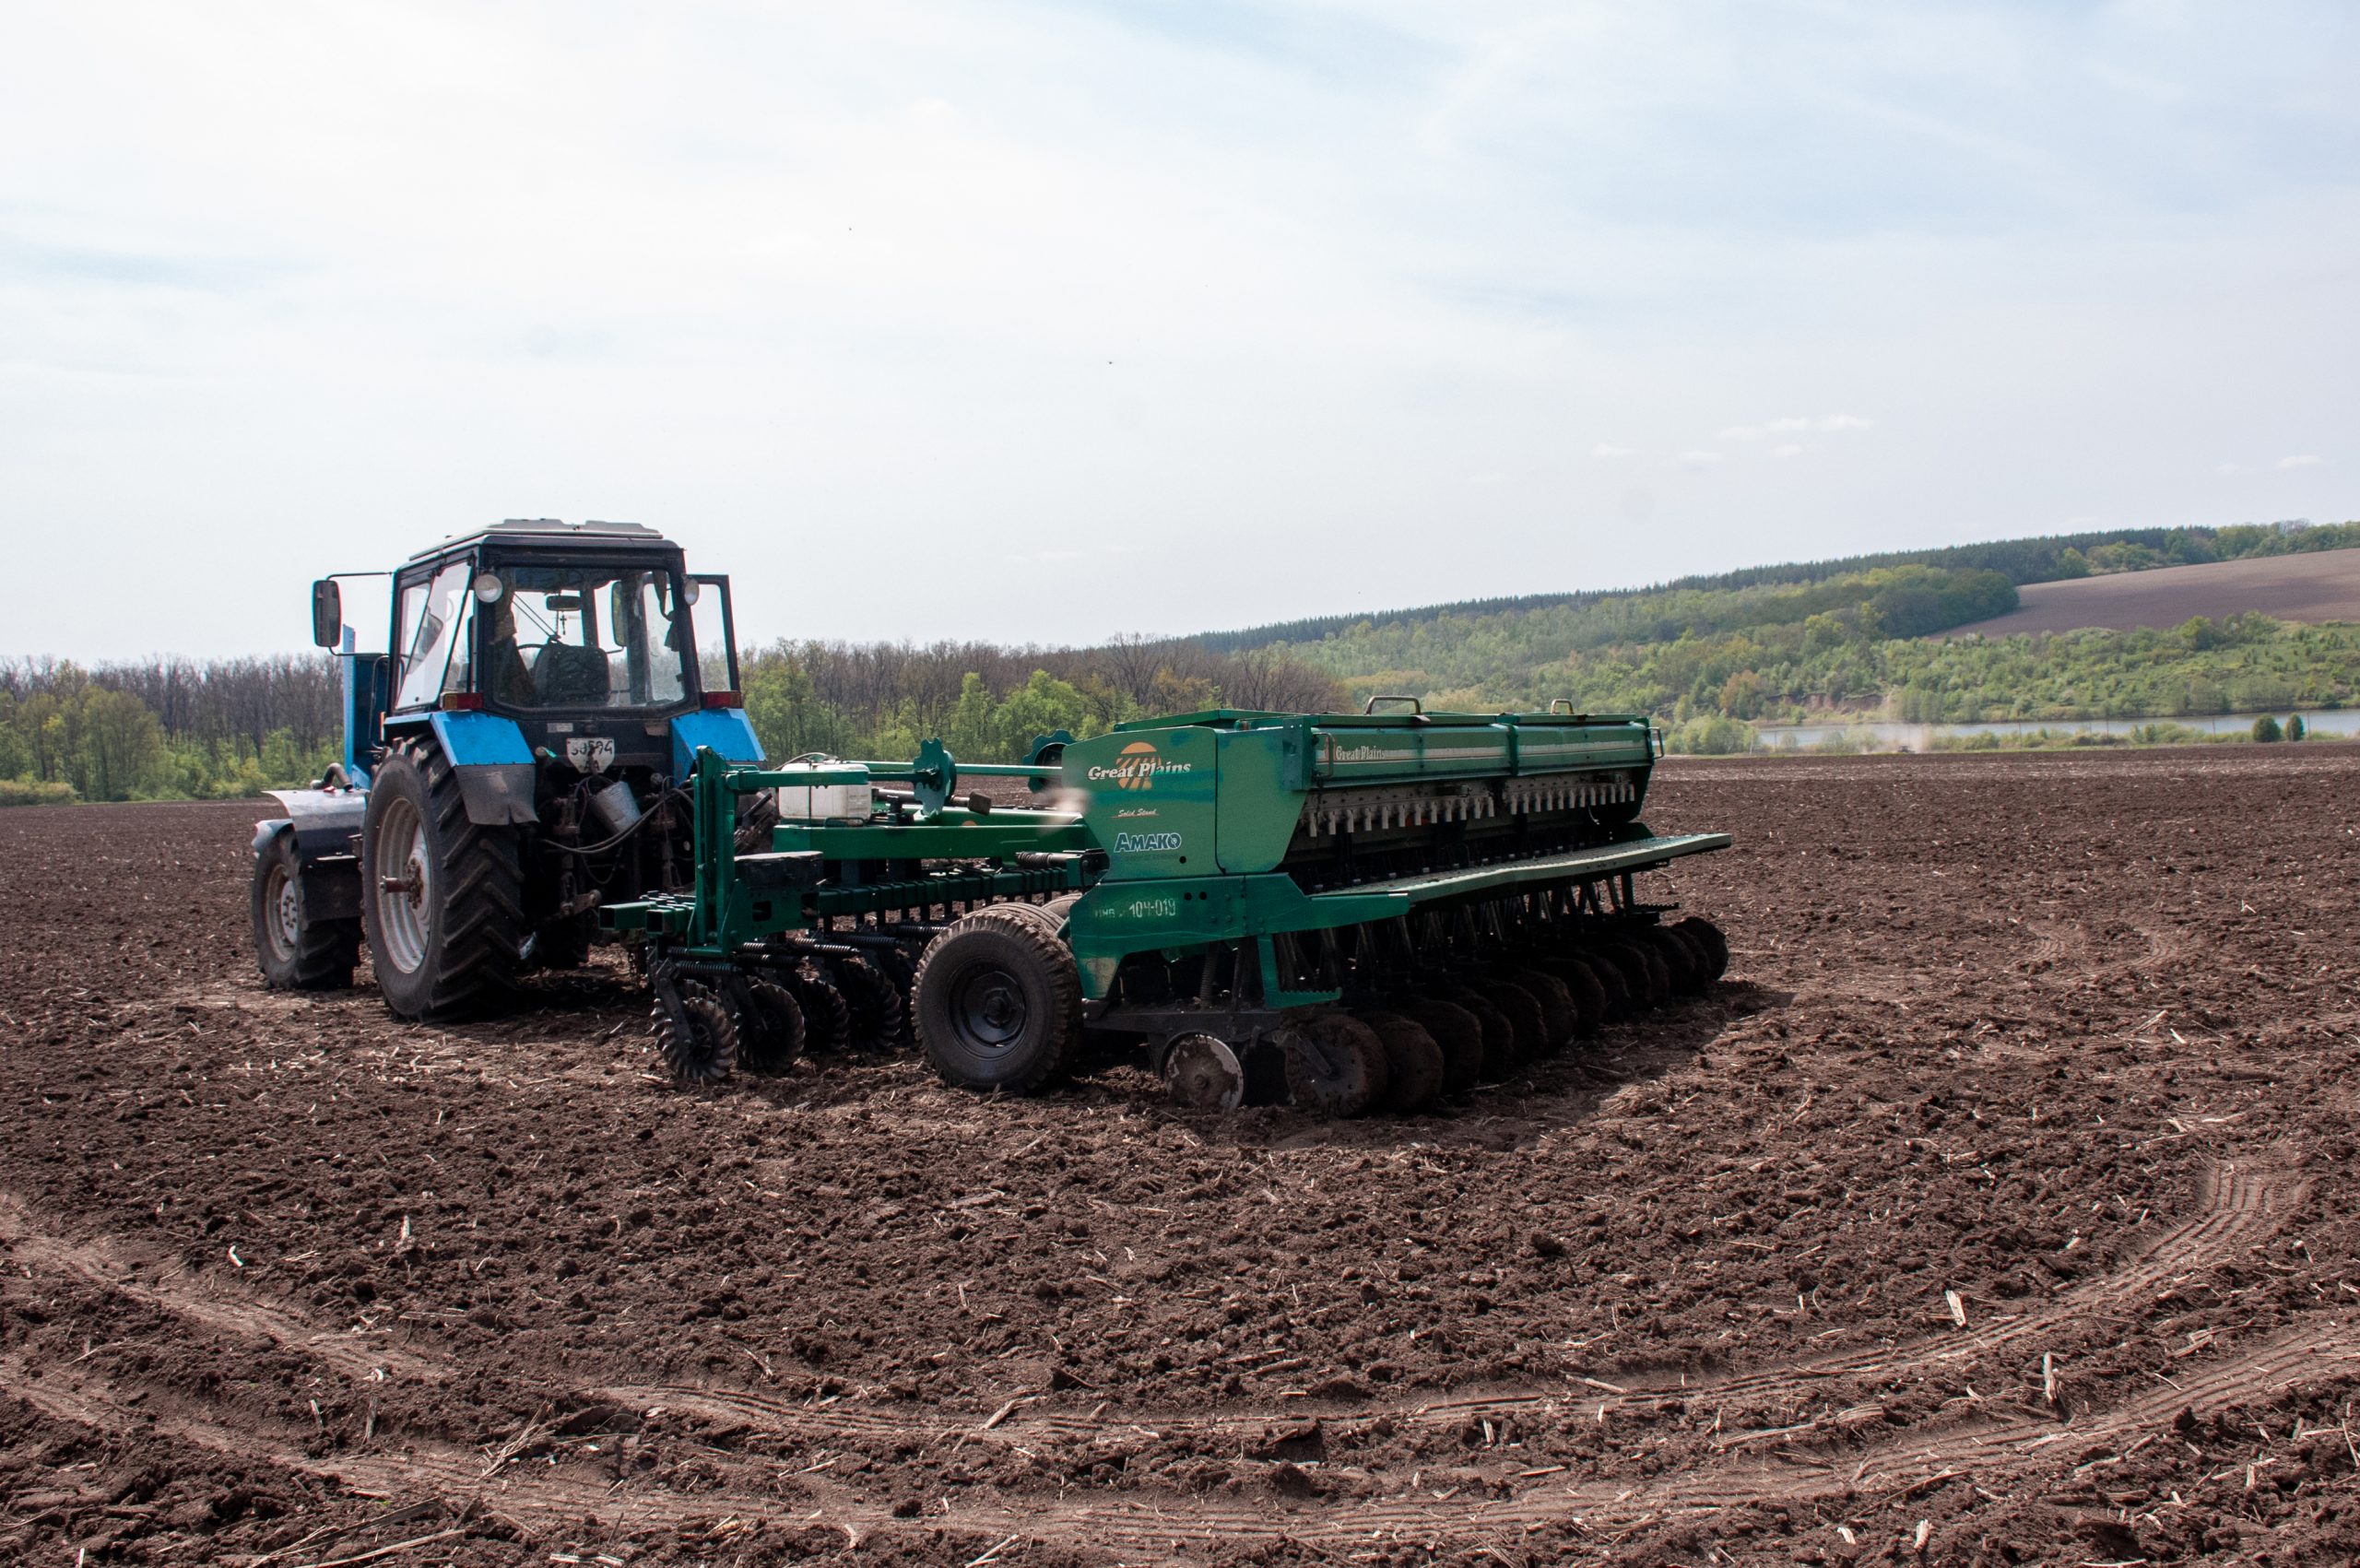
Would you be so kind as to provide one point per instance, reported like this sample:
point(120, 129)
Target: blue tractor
point(519, 758)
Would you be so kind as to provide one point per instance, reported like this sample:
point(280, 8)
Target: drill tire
point(998, 1004)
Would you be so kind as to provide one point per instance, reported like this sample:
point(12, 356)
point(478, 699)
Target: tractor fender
point(322, 823)
point(493, 765)
point(727, 730)
point(324, 820)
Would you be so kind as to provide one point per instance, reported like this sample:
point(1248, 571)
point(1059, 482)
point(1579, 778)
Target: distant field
point(2324, 585)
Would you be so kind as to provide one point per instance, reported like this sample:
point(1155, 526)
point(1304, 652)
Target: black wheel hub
point(989, 1009)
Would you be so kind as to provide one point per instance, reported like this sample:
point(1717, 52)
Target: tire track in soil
point(106, 1264)
point(2245, 1202)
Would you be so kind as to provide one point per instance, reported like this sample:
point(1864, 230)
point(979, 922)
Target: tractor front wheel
point(443, 896)
point(297, 952)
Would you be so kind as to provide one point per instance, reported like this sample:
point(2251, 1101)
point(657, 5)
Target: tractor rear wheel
point(297, 953)
point(442, 898)
point(997, 1004)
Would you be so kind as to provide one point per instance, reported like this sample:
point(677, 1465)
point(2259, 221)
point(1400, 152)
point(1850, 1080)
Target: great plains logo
point(1145, 843)
point(1135, 767)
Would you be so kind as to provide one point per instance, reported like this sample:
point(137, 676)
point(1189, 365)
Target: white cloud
point(2301, 460)
point(1789, 450)
point(2227, 469)
point(1608, 448)
point(1699, 459)
point(1743, 432)
point(1829, 424)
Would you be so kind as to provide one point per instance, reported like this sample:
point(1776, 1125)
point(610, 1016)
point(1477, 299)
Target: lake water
point(1918, 738)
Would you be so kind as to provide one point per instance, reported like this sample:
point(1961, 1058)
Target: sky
point(1042, 321)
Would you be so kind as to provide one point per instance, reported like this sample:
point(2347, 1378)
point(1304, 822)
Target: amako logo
point(1136, 766)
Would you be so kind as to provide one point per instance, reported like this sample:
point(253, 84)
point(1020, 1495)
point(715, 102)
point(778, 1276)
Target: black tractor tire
point(1413, 1064)
point(770, 1036)
point(1335, 1066)
point(1707, 936)
point(296, 952)
point(1560, 1020)
point(446, 937)
point(997, 1004)
point(879, 1022)
point(827, 1015)
point(706, 1051)
point(1456, 1031)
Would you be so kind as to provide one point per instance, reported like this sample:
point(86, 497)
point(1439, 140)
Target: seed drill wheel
point(1560, 1020)
point(770, 1036)
point(1499, 1034)
point(1455, 1031)
point(1613, 991)
point(1335, 1065)
point(997, 1004)
point(1584, 988)
point(297, 953)
point(827, 1017)
point(442, 897)
point(1645, 985)
point(872, 1002)
point(1203, 1074)
point(705, 1049)
point(1681, 963)
point(1528, 1034)
point(1709, 937)
point(1413, 1062)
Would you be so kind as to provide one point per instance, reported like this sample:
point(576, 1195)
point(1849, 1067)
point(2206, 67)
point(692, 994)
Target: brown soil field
point(2322, 585)
point(2000, 1206)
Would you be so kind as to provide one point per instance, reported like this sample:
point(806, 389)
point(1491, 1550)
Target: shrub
point(25, 792)
point(2295, 729)
point(2266, 728)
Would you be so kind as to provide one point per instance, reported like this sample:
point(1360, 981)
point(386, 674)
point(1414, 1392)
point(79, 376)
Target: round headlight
point(691, 592)
point(489, 587)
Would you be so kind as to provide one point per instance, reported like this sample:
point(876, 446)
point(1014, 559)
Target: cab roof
point(548, 533)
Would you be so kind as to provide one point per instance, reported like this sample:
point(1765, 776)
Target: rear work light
point(723, 700)
point(461, 701)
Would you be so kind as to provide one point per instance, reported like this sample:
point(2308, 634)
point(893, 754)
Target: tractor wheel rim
point(988, 1009)
point(402, 912)
point(283, 912)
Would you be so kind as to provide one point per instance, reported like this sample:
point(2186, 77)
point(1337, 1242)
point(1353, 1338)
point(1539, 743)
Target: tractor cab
point(516, 756)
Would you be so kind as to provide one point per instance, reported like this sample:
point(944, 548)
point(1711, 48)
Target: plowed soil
point(2000, 1206)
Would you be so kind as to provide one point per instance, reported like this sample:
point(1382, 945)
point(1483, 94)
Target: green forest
point(1712, 657)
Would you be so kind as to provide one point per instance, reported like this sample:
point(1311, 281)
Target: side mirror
point(328, 613)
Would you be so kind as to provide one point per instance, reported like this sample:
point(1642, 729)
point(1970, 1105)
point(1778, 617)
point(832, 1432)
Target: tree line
point(182, 729)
